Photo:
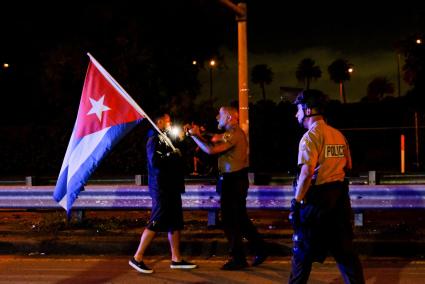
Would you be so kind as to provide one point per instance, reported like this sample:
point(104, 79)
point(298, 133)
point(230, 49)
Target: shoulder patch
point(334, 151)
point(305, 143)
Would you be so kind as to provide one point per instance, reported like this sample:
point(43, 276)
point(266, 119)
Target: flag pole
point(129, 99)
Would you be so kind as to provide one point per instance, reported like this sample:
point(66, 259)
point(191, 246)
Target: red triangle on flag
point(102, 105)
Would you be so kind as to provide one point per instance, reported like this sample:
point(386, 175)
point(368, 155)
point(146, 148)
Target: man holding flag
point(106, 114)
point(166, 184)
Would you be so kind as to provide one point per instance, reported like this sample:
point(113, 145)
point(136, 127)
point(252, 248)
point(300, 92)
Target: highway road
point(89, 269)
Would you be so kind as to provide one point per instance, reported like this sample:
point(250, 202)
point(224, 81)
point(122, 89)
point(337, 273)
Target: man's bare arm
point(210, 148)
point(304, 181)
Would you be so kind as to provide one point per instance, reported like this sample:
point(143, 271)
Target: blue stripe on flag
point(66, 192)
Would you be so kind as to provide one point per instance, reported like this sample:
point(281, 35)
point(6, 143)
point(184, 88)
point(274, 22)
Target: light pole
point(342, 92)
point(398, 74)
point(418, 42)
point(240, 10)
point(212, 64)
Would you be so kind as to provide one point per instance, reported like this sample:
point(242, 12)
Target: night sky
point(280, 34)
point(148, 47)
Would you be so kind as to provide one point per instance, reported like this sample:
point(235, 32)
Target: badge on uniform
point(334, 151)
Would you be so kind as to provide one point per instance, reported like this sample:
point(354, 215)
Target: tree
point(413, 50)
point(377, 88)
point(339, 72)
point(263, 75)
point(307, 71)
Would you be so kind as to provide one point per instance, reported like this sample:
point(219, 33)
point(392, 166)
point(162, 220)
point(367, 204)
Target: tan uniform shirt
point(327, 150)
point(236, 158)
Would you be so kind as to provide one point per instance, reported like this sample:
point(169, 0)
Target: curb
point(159, 246)
point(200, 247)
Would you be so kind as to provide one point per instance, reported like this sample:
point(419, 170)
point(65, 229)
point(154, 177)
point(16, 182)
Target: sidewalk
point(118, 233)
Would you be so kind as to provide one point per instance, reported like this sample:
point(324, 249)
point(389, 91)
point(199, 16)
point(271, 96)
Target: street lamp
point(418, 41)
point(212, 64)
point(399, 74)
point(348, 69)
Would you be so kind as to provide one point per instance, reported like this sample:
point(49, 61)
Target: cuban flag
point(106, 114)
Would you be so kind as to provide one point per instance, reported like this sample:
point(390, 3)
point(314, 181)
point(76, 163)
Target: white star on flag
point(97, 107)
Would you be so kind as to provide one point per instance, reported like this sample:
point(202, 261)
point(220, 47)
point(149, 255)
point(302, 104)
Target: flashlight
point(175, 131)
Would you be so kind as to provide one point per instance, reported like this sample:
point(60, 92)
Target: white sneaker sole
point(183, 266)
point(139, 269)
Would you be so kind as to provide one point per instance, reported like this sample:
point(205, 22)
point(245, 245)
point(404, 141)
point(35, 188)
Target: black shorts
point(167, 212)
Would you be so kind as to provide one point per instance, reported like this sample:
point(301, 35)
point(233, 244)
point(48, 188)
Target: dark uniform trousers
point(233, 189)
point(325, 227)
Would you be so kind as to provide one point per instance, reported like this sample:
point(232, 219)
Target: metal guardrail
point(395, 191)
point(205, 197)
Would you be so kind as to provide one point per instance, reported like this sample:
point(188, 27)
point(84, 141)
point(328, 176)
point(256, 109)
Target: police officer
point(232, 150)
point(321, 209)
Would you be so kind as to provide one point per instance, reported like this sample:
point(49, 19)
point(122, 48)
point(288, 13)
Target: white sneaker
point(182, 265)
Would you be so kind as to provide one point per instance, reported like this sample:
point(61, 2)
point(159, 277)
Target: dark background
point(149, 46)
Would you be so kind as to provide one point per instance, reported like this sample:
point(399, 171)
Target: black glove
point(294, 213)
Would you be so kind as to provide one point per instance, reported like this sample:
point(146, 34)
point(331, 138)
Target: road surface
point(109, 269)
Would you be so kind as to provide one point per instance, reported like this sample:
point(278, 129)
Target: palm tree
point(414, 55)
point(339, 71)
point(262, 74)
point(412, 49)
point(307, 71)
point(377, 88)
